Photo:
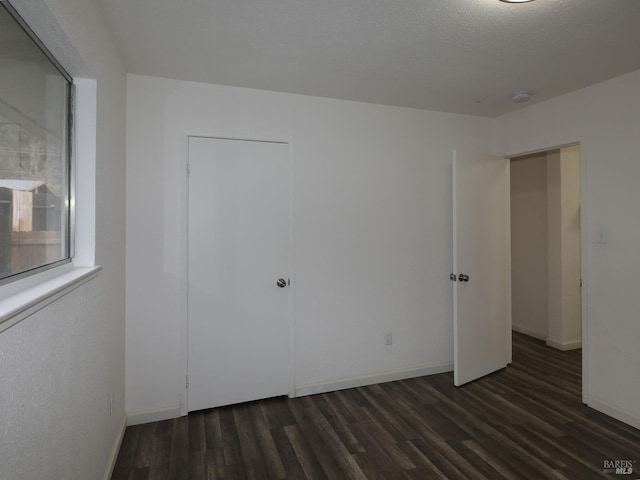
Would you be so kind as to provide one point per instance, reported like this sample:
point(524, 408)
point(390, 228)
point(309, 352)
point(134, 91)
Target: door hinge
point(186, 383)
point(188, 169)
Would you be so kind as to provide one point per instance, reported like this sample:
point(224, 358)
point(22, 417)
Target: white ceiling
point(462, 56)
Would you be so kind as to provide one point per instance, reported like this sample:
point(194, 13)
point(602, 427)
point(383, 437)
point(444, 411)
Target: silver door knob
point(281, 282)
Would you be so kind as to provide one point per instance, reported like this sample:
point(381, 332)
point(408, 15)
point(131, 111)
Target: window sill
point(37, 294)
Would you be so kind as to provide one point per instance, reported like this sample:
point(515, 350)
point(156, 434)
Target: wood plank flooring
point(524, 422)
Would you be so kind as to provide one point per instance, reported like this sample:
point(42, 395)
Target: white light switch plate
point(602, 236)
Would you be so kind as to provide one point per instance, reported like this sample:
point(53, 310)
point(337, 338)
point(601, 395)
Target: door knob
point(463, 278)
point(281, 282)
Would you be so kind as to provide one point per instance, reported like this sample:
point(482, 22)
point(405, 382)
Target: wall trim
point(157, 415)
point(528, 332)
point(115, 449)
point(613, 411)
point(364, 380)
point(564, 346)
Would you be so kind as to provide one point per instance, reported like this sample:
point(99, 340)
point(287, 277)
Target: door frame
point(584, 244)
point(184, 260)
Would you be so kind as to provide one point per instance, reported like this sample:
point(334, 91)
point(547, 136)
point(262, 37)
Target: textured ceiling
point(463, 56)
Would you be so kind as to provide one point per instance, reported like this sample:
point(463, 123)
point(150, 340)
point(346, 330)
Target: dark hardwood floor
point(524, 422)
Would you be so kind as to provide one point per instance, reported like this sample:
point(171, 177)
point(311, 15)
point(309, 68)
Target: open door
point(481, 265)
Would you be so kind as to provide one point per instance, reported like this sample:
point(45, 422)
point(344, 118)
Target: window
point(35, 166)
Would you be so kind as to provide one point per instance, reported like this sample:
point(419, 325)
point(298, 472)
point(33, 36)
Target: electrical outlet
point(111, 403)
point(388, 338)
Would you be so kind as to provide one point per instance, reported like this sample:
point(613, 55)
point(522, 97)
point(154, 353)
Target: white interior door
point(239, 237)
point(481, 264)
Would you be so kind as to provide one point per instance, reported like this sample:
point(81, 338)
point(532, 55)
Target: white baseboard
point(113, 455)
point(564, 346)
point(615, 412)
point(528, 332)
point(147, 416)
point(353, 382)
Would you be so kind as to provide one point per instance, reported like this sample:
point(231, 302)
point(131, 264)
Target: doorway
point(546, 246)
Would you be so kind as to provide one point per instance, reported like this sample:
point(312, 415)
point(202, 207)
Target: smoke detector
point(521, 97)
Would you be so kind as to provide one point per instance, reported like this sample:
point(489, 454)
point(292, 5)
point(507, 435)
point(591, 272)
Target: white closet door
point(239, 235)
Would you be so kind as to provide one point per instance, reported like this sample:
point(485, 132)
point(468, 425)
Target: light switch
point(602, 236)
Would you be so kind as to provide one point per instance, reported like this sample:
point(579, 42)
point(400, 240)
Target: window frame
point(69, 153)
point(23, 297)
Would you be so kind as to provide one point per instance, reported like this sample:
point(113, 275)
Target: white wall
point(604, 119)
point(563, 210)
point(59, 366)
point(554, 248)
point(372, 231)
point(571, 290)
point(529, 245)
